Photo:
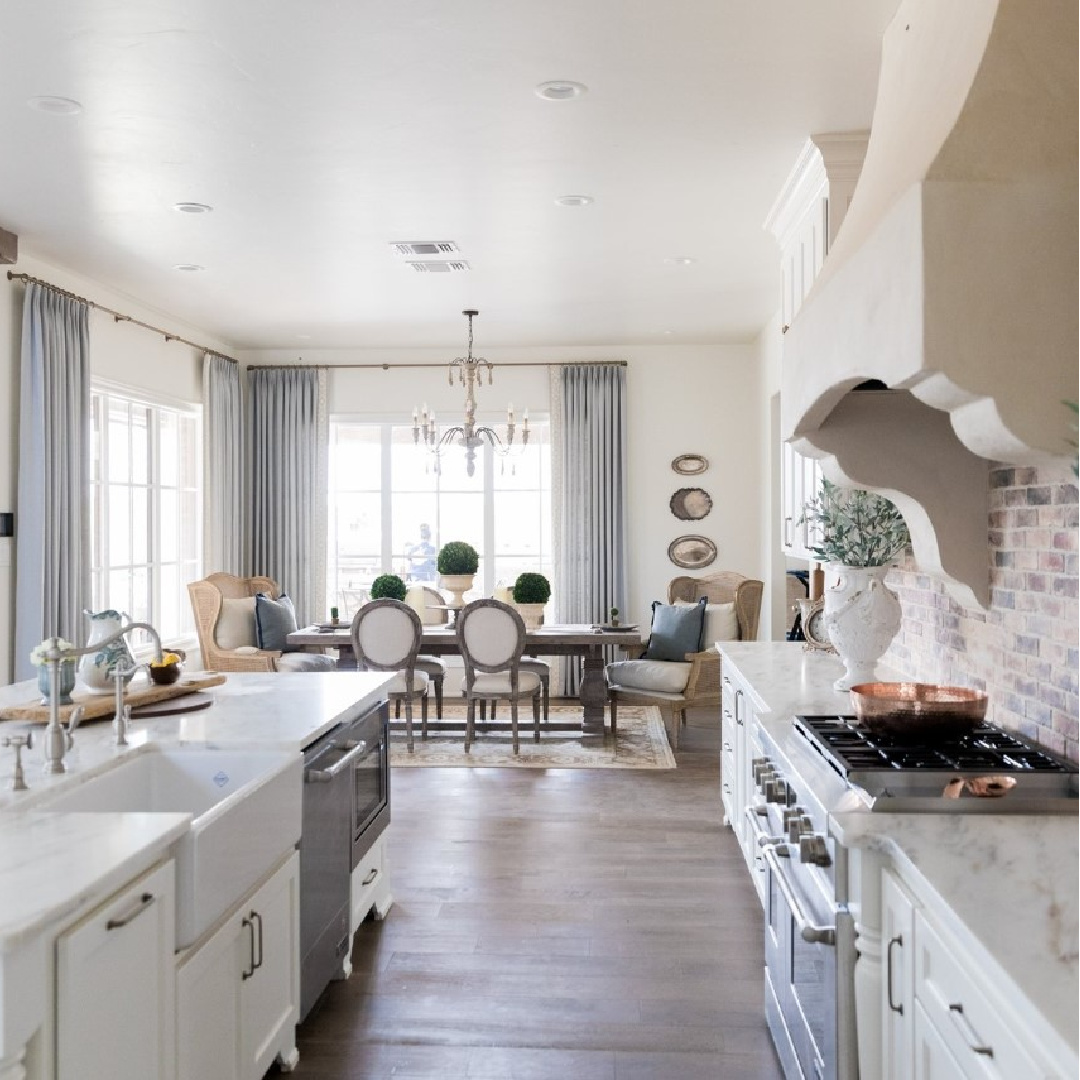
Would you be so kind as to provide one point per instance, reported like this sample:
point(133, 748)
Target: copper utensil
point(992, 787)
point(917, 712)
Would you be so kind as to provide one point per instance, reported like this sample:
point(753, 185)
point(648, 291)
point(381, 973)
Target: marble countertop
point(271, 710)
point(51, 863)
point(1010, 879)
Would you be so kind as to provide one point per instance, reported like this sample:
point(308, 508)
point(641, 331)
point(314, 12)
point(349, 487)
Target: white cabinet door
point(208, 1007)
point(898, 938)
point(115, 985)
point(270, 997)
point(933, 1058)
point(238, 994)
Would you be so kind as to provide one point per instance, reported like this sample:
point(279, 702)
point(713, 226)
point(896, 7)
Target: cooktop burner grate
point(987, 748)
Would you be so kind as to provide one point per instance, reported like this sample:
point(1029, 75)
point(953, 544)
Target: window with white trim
point(390, 512)
point(146, 510)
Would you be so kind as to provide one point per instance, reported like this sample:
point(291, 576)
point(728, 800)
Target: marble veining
point(1010, 879)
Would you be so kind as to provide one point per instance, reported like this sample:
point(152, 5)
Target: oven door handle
point(763, 838)
point(324, 776)
point(819, 935)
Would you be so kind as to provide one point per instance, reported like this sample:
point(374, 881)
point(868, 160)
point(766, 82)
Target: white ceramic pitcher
point(96, 668)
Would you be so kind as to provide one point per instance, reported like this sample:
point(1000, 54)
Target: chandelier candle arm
point(470, 370)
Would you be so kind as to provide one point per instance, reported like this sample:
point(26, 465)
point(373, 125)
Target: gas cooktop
point(901, 776)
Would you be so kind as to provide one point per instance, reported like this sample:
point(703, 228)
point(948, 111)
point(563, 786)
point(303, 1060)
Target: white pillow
point(236, 623)
point(721, 622)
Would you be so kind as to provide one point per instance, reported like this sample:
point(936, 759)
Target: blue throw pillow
point(274, 619)
point(677, 629)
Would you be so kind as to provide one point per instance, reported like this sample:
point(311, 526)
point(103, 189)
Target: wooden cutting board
point(102, 706)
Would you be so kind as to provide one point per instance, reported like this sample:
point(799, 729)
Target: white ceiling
point(322, 130)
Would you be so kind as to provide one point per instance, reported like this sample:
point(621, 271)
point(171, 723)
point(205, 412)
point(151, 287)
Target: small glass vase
point(65, 682)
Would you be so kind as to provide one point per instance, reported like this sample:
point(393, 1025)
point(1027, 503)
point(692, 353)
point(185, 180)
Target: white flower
point(37, 654)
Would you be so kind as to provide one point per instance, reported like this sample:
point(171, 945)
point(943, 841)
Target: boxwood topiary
point(458, 557)
point(388, 585)
point(531, 589)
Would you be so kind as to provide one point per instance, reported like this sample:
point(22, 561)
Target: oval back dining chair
point(491, 639)
point(386, 637)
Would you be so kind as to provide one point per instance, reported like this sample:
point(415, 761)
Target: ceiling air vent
point(424, 248)
point(439, 266)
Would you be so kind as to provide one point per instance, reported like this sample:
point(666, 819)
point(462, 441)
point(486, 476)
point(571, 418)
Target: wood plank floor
point(563, 925)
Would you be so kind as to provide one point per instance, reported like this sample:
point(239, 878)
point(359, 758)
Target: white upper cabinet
point(805, 220)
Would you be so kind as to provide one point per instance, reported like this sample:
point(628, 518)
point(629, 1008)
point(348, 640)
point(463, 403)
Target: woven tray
point(102, 706)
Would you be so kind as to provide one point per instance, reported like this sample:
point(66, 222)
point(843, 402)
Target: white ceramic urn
point(862, 616)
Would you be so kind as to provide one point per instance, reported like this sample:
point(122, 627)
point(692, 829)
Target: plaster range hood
point(953, 279)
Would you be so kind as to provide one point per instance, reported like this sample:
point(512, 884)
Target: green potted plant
point(388, 585)
point(457, 563)
point(531, 592)
point(860, 534)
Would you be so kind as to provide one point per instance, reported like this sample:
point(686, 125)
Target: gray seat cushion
point(657, 676)
point(305, 661)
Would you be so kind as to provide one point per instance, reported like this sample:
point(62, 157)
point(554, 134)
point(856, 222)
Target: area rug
point(642, 744)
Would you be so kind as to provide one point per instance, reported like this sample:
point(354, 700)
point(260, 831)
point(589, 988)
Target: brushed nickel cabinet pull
point(371, 877)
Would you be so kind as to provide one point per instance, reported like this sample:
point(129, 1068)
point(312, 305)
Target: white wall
point(119, 352)
point(769, 347)
point(682, 399)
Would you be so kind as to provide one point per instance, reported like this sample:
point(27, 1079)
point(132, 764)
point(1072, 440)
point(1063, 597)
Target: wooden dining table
point(549, 640)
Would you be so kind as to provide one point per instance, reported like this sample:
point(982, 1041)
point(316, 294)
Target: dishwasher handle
point(325, 776)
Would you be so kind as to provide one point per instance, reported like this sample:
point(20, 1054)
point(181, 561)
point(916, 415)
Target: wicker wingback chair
point(701, 669)
point(207, 602)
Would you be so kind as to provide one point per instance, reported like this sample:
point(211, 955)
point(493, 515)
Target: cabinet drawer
point(366, 879)
point(983, 1041)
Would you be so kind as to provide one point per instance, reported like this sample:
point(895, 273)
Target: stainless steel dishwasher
point(325, 858)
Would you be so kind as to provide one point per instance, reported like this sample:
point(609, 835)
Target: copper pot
point(917, 712)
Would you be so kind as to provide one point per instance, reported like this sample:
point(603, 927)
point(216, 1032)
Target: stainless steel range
point(831, 764)
point(895, 776)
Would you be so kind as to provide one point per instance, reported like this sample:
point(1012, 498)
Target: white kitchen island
point(989, 901)
point(62, 874)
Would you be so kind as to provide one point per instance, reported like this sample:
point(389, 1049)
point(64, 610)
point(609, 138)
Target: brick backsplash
point(1022, 651)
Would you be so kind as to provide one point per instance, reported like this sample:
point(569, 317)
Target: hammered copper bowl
point(917, 712)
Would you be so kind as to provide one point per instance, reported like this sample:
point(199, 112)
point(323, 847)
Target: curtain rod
point(117, 316)
point(389, 367)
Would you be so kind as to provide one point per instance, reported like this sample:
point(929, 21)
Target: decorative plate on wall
point(691, 504)
point(691, 552)
point(690, 464)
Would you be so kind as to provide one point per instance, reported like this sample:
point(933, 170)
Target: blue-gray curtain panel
point(591, 553)
point(287, 490)
point(223, 494)
point(52, 548)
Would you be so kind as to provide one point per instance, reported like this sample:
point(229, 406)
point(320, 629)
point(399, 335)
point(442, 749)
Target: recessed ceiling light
point(188, 268)
point(560, 90)
point(574, 200)
point(668, 332)
point(193, 207)
point(58, 106)
point(680, 260)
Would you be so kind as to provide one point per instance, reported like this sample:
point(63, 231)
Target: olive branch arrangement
point(858, 528)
